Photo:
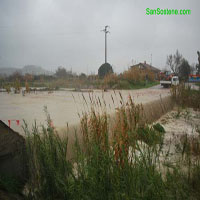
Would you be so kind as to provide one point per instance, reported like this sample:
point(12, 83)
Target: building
point(145, 66)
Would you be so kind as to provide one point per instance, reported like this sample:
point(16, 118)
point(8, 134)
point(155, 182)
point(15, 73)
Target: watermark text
point(160, 11)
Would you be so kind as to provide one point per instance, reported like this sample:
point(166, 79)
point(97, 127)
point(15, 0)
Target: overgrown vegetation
point(133, 78)
point(130, 79)
point(122, 161)
point(186, 97)
point(179, 66)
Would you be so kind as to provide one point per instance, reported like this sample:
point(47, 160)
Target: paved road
point(157, 87)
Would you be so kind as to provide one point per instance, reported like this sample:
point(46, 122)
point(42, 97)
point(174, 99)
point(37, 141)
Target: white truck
point(170, 81)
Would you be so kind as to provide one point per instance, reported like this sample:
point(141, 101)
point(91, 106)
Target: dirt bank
point(181, 125)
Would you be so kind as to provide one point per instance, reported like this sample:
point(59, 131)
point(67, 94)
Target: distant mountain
point(36, 70)
point(28, 69)
point(7, 71)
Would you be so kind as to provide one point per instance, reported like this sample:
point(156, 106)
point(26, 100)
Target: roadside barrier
point(17, 121)
point(10, 120)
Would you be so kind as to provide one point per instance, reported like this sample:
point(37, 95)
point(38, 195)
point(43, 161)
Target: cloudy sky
point(53, 33)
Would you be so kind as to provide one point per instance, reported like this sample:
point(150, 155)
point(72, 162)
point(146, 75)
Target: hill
point(28, 69)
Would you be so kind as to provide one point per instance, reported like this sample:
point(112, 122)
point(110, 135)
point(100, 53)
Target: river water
point(64, 106)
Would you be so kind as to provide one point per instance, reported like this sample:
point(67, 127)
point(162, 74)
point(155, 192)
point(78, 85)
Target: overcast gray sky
point(52, 33)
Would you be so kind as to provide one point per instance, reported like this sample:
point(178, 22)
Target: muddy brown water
point(64, 106)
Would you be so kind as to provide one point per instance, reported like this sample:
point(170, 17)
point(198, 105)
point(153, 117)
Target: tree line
point(180, 66)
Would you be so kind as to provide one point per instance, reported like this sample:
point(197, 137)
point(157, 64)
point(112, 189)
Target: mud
point(178, 124)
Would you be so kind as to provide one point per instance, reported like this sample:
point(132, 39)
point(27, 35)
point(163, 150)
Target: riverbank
point(136, 156)
point(119, 156)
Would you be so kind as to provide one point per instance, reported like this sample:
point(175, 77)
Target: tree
point(104, 70)
point(61, 72)
point(174, 61)
point(82, 76)
point(184, 70)
point(17, 86)
point(16, 76)
point(27, 87)
point(192, 68)
point(28, 77)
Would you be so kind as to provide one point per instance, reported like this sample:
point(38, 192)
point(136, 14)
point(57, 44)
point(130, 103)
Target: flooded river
point(64, 106)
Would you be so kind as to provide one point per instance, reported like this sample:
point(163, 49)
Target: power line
point(106, 32)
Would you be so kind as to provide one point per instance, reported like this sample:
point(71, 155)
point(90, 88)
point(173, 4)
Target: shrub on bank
point(185, 96)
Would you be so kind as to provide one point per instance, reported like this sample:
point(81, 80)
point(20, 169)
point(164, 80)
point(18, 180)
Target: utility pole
point(106, 31)
point(151, 59)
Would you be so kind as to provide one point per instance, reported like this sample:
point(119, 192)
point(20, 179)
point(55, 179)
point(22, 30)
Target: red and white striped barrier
point(10, 120)
point(18, 122)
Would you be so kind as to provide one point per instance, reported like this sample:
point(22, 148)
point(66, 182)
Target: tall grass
point(50, 172)
point(131, 79)
point(186, 97)
point(118, 162)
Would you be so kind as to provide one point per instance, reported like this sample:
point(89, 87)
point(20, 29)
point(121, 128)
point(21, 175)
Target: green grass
point(126, 85)
point(144, 85)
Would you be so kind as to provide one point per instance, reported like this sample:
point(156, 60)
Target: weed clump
point(50, 172)
point(151, 135)
point(186, 97)
point(158, 127)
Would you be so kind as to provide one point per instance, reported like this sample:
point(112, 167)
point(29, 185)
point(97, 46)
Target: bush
point(151, 135)
point(158, 127)
point(185, 96)
point(104, 70)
